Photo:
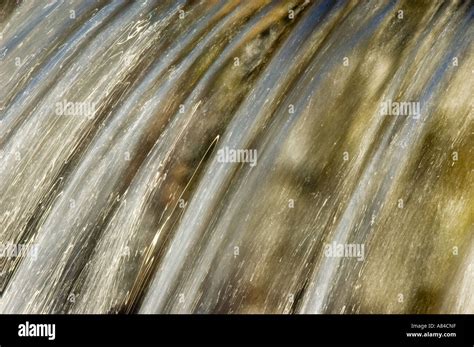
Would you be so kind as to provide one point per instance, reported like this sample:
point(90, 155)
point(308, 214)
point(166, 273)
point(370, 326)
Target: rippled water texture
point(236, 156)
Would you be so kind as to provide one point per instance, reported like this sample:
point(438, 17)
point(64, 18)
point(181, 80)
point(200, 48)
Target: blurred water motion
point(128, 130)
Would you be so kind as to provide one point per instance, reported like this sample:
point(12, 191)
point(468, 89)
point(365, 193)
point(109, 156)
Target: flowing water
point(223, 156)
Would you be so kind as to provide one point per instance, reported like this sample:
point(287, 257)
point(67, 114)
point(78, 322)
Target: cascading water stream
point(293, 156)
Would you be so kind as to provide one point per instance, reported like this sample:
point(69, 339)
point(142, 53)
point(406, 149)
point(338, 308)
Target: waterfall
point(225, 156)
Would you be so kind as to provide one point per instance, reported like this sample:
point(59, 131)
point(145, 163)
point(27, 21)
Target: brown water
point(352, 191)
